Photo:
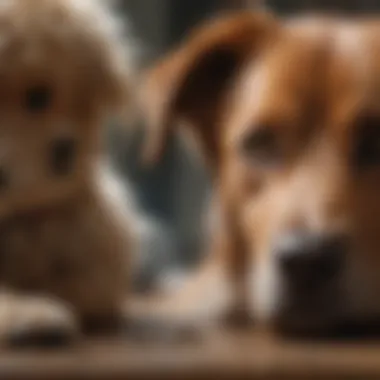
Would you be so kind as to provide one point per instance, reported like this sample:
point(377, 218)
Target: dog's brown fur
point(66, 240)
point(312, 83)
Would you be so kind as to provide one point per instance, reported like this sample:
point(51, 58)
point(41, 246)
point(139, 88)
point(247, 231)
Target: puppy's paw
point(150, 321)
point(139, 329)
point(35, 322)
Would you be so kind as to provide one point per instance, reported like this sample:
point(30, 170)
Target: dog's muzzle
point(309, 261)
point(62, 156)
point(310, 267)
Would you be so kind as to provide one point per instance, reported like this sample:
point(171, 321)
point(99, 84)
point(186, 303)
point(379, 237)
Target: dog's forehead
point(354, 83)
point(273, 86)
point(334, 65)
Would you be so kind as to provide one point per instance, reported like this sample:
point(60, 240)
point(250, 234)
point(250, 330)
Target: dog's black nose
point(62, 155)
point(310, 259)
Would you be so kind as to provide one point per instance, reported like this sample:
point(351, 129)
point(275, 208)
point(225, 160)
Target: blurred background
point(174, 196)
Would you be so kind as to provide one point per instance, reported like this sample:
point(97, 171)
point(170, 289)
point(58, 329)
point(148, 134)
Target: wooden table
point(222, 356)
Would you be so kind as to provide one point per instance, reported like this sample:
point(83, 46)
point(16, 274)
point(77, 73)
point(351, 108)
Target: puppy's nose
point(311, 259)
point(62, 155)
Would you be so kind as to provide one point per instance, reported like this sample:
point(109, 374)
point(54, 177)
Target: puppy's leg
point(35, 321)
point(218, 292)
point(197, 306)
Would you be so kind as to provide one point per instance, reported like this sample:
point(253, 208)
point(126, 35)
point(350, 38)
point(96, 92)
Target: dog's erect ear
point(190, 84)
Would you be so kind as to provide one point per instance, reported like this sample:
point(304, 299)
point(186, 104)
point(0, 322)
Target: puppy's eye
point(38, 99)
point(367, 143)
point(261, 147)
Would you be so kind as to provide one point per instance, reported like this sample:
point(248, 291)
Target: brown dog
point(286, 113)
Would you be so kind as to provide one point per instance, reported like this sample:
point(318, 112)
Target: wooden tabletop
point(223, 356)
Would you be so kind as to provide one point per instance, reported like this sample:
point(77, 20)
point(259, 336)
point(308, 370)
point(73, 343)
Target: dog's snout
point(62, 155)
point(308, 259)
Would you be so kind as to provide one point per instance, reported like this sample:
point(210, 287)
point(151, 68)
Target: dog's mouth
point(306, 316)
point(329, 330)
point(316, 293)
point(322, 315)
point(324, 320)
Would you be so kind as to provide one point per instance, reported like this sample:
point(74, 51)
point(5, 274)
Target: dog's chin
point(326, 328)
point(324, 318)
point(294, 312)
point(305, 325)
point(38, 199)
point(295, 322)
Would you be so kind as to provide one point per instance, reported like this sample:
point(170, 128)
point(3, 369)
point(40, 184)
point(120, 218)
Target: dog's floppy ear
point(190, 84)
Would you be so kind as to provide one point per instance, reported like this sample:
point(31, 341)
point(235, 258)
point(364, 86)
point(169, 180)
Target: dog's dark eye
point(260, 147)
point(367, 143)
point(38, 98)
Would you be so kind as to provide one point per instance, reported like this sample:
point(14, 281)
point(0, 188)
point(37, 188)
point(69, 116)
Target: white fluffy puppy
point(65, 236)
